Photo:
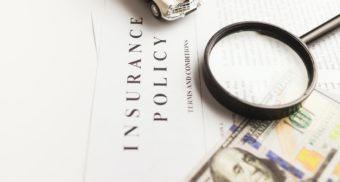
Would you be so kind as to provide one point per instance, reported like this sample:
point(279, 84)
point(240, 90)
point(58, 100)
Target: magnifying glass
point(261, 71)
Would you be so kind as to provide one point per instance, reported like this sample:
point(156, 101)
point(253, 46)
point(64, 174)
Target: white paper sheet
point(97, 13)
point(146, 122)
point(47, 71)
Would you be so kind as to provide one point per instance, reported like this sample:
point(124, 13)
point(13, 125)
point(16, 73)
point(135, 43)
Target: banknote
point(301, 147)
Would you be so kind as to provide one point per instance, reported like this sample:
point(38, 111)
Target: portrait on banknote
point(231, 164)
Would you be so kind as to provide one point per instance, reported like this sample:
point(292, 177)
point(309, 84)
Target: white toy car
point(173, 9)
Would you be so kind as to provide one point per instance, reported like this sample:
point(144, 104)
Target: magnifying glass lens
point(258, 69)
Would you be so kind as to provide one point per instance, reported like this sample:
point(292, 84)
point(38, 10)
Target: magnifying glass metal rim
point(248, 109)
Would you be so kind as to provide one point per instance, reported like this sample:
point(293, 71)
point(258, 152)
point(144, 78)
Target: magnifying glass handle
point(321, 30)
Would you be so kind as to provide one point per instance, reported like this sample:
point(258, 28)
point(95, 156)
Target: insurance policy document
point(147, 114)
point(153, 119)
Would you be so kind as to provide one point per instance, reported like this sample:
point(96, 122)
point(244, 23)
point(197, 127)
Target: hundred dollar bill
point(302, 147)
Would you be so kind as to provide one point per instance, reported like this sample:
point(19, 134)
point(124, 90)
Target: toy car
point(173, 9)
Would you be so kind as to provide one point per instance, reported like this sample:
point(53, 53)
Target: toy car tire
point(155, 10)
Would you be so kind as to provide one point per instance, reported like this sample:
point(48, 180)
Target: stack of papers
point(153, 118)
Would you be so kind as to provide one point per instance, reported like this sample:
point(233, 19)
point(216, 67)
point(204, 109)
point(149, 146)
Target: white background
point(47, 72)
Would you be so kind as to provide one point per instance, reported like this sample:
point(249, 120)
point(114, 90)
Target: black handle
point(321, 30)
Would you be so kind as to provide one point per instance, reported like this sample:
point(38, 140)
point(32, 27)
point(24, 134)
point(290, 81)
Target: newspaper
point(232, 11)
point(153, 118)
point(297, 17)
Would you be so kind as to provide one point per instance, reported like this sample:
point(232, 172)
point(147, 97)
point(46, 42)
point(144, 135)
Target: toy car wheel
point(155, 10)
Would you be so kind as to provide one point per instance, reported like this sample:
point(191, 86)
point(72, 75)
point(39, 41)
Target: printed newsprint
point(153, 119)
point(326, 56)
point(298, 17)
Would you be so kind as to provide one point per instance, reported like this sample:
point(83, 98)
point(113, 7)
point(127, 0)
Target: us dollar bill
point(301, 147)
